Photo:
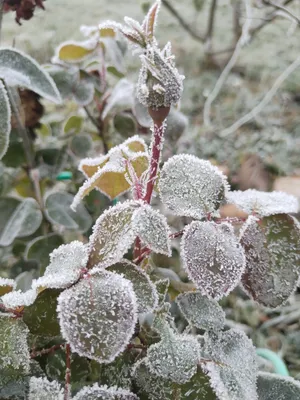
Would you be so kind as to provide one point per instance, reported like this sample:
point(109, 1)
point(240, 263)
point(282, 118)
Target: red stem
point(35, 354)
point(68, 373)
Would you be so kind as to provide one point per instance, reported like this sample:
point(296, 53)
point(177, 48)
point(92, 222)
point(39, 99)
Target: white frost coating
point(233, 369)
point(273, 386)
point(97, 316)
point(200, 311)
point(121, 97)
point(5, 118)
point(263, 203)
point(192, 187)
point(112, 235)
point(25, 71)
point(212, 257)
point(7, 282)
point(144, 289)
point(272, 249)
point(17, 298)
point(42, 389)
point(152, 228)
point(97, 392)
point(175, 357)
point(66, 263)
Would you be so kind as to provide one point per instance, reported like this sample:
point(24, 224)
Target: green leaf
point(14, 351)
point(18, 69)
point(6, 286)
point(272, 248)
point(5, 116)
point(144, 289)
point(14, 156)
point(120, 99)
point(200, 311)
point(81, 145)
point(97, 392)
point(23, 221)
point(74, 52)
point(41, 316)
point(98, 315)
point(73, 125)
point(39, 249)
point(271, 387)
point(58, 211)
point(125, 124)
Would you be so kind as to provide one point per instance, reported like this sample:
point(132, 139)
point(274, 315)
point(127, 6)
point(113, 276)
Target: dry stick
point(67, 394)
point(226, 71)
point(268, 97)
point(99, 129)
point(182, 22)
point(210, 27)
point(283, 9)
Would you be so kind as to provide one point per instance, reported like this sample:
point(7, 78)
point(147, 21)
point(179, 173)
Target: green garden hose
point(278, 364)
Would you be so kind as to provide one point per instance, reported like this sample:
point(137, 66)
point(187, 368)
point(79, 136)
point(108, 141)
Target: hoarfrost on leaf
point(263, 203)
point(152, 228)
point(6, 285)
point(212, 257)
point(232, 365)
point(175, 357)
point(66, 263)
point(273, 386)
point(16, 299)
point(5, 116)
point(42, 389)
point(97, 392)
point(97, 316)
point(191, 187)
point(200, 311)
point(144, 289)
point(112, 235)
point(272, 249)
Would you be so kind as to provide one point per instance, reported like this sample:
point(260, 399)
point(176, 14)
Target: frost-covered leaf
point(74, 52)
point(141, 114)
point(212, 257)
point(14, 351)
point(97, 392)
point(112, 235)
point(191, 187)
point(272, 248)
point(5, 116)
point(17, 299)
point(263, 203)
point(175, 357)
point(125, 124)
point(120, 99)
point(144, 289)
point(162, 286)
point(98, 315)
point(81, 145)
point(149, 22)
point(41, 316)
point(42, 389)
point(18, 69)
point(58, 211)
point(152, 228)
point(200, 311)
point(65, 266)
point(275, 387)
point(25, 220)
point(73, 125)
point(231, 365)
point(6, 285)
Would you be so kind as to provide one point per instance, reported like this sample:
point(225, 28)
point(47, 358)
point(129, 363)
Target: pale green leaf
point(5, 116)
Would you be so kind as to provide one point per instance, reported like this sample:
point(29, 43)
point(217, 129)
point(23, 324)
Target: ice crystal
point(144, 289)
point(66, 263)
point(42, 389)
point(152, 228)
point(232, 367)
point(97, 392)
point(263, 203)
point(272, 248)
point(200, 311)
point(18, 299)
point(112, 235)
point(191, 187)
point(212, 257)
point(276, 387)
point(6, 285)
point(162, 286)
point(97, 316)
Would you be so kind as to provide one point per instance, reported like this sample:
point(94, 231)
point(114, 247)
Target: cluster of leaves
point(99, 319)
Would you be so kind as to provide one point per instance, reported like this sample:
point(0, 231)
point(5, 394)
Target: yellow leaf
point(107, 32)
point(90, 166)
point(76, 51)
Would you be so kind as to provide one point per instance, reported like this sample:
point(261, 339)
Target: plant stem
point(68, 373)
point(35, 354)
point(210, 28)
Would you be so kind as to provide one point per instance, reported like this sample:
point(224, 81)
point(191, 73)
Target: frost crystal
point(112, 235)
point(272, 249)
point(65, 266)
point(97, 316)
point(273, 386)
point(201, 311)
point(191, 187)
point(97, 392)
point(175, 357)
point(144, 289)
point(232, 369)
point(42, 389)
point(263, 203)
point(6, 285)
point(212, 257)
point(152, 228)
point(18, 299)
